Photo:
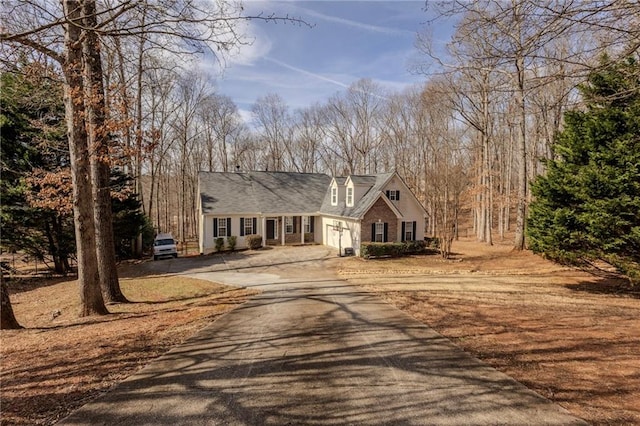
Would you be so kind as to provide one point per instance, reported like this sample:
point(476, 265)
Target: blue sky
point(348, 40)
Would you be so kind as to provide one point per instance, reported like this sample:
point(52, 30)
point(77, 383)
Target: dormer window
point(334, 196)
point(349, 196)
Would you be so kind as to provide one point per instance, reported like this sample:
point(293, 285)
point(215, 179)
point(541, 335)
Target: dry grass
point(61, 361)
point(569, 335)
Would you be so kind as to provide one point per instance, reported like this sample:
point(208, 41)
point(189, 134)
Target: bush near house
point(432, 242)
point(369, 250)
point(231, 242)
point(254, 242)
point(219, 244)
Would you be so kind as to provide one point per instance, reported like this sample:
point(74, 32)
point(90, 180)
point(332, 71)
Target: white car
point(164, 245)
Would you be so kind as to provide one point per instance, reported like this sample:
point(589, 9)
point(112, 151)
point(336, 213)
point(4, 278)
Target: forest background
point(113, 82)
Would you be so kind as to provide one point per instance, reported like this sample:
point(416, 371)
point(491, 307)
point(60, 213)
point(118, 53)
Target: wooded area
point(468, 141)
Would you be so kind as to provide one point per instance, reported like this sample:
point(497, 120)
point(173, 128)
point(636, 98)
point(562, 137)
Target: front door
point(271, 229)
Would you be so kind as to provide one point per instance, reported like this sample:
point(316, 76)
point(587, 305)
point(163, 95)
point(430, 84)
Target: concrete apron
point(317, 352)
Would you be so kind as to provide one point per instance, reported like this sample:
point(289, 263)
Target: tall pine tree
point(588, 204)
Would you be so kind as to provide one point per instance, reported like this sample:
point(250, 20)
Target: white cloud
point(257, 45)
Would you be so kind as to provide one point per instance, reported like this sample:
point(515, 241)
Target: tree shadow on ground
point(609, 285)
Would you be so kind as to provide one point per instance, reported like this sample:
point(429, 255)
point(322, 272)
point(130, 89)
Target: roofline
point(376, 199)
point(393, 208)
point(424, 211)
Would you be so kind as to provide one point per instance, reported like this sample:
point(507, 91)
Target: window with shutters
point(408, 231)
point(288, 224)
point(393, 195)
point(248, 226)
point(379, 237)
point(222, 227)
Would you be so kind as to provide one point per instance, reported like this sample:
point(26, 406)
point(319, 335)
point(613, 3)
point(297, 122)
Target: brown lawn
point(572, 336)
point(61, 361)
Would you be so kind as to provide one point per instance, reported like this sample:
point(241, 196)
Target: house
point(297, 208)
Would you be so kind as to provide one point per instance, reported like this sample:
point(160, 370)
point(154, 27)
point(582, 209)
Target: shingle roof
point(376, 183)
point(262, 192)
point(283, 193)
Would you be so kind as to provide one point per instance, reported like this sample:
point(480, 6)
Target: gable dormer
point(356, 186)
point(337, 190)
point(334, 192)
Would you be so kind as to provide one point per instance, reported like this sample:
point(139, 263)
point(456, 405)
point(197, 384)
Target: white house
point(297, 208)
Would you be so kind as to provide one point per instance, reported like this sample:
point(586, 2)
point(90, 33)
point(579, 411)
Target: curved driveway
point(310, 349)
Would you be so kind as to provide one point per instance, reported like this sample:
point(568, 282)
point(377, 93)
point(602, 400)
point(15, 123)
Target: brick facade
point(380, 211)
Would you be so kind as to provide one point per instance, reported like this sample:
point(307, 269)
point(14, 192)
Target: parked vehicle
point(164, 245)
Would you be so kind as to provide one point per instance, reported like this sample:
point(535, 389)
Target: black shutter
point(403, 230)
point(255, 225)
point(295, 222)
point(414, 231)
point(215, 227)
point(397, 195)
point(228, 227)
point(242, 226)
point(386, 233)
point(312, 221)
point(373, 232)
point(388, 192)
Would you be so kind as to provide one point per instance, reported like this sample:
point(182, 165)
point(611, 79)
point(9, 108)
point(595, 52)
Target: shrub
point(369, 250)
point(432, 243)
point(231, 242)
point(254, 242)
point(219, 243)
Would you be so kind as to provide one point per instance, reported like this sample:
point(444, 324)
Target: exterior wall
point(350, 234)
point(408, 205)
point(208, 241)
point(381, 212)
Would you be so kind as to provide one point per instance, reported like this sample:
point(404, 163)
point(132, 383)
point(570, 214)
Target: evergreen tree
point(33, 137)
point(588, 204)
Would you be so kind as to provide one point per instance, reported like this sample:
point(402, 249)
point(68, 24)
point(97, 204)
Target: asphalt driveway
point(310, 349)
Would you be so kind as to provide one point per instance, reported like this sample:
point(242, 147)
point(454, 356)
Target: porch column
point(263, 223)
point(284, 229)
point(302, 229)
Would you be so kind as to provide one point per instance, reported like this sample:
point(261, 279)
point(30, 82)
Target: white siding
point(408, 206)
point(350, 234)
point(208, 241)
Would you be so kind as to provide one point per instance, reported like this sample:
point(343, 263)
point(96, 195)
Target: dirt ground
point(570, 335)
point(60, 361)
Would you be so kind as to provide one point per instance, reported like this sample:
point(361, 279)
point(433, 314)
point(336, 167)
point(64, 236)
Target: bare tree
point(273, 121)
point(222, 123)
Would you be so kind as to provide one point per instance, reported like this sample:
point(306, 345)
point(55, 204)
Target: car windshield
point(165, 242)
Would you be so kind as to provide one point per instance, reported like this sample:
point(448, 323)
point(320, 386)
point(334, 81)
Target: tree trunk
point(521, 207)
point(99, 149)
point(7, 318)
point(88, 278)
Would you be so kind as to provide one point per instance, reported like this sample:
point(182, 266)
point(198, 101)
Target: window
point(393, 195)
point(379, 235)
point(222, 227)
point(349, 196)
point(334, 196)
point(248, 227)
point(408, 231)
point(307, 224)
point(288, 224)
